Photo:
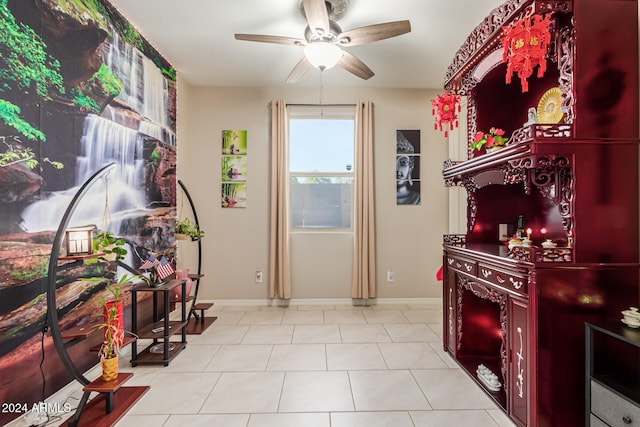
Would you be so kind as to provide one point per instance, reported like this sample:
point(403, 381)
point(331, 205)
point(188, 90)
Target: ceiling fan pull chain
point(321, 92)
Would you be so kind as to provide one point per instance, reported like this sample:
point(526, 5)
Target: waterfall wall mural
point(79, 89)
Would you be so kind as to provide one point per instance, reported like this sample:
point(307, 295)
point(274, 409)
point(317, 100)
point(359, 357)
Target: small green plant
point(108, 244)
point(189, 229)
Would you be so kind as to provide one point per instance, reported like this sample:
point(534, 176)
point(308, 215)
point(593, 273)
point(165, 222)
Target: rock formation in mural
point(79, 89)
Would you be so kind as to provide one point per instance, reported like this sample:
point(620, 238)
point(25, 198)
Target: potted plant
point(108, 244)
point(185, 229)
point(113, 327)
point(492, 140)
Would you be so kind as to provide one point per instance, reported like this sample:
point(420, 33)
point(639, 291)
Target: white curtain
point(279, 245)
point(363, 284)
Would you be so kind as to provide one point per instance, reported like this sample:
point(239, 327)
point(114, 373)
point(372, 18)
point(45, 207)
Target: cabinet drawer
point(463, 265)
point(507, 280)
point(613, 409)
point(596, 422)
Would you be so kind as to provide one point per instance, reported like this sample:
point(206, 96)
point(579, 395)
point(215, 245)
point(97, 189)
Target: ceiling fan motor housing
point(318, 35)
point(336, 8)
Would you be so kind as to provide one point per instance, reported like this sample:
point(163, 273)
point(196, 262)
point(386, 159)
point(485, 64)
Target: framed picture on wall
point(234, 169)
point(234, 195)
point(234, 142)
point(408, 167)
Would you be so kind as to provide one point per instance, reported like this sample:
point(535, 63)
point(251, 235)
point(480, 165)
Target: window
point(321, 154)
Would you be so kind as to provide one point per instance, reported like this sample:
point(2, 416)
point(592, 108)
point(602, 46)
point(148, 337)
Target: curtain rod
point(321, 105)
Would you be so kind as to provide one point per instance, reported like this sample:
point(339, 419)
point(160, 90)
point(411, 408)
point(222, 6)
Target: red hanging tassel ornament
point(444, 108)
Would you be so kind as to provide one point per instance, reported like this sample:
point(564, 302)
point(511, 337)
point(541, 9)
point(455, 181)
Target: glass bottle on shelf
point(520, 231)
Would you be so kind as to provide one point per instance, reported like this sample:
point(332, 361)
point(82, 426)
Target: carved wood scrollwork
point(565, 43)
point(480, 37)
point(483, 292)
point(546, 6)
point(552, 175)
point(472, 206)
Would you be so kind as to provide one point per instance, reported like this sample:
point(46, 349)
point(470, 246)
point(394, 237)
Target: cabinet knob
point(626, 419)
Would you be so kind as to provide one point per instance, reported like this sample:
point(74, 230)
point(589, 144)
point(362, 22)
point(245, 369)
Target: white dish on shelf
point(631, 324)
point(159, 348)
point(549, 244)
point(631, 317)
point(485, 376)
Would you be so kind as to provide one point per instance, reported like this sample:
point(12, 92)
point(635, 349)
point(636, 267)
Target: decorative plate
point(159, 348)
point(549, 107)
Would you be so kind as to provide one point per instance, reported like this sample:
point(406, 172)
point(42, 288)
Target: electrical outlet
point(390, 276)
point(258, 275)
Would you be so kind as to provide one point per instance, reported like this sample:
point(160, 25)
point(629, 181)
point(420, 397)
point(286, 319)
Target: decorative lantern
point(444, 108)
point(79, 240)
point(525, 44)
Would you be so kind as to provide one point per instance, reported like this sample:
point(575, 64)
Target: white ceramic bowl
point(631, 316)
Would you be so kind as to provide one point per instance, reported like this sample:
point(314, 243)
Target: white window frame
point(329, 113)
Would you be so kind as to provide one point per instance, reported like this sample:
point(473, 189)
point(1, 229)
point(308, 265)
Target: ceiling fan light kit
point(323, 55)
point(324, 39)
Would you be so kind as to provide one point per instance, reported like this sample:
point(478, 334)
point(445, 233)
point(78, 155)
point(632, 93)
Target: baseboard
point(326, 301)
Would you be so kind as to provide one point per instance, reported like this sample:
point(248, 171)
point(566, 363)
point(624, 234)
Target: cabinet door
point(449, 310)
point(519, 360)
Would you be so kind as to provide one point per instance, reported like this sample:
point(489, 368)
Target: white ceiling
point(197, 38)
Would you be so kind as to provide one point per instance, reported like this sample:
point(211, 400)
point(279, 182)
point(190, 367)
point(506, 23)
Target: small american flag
point(165, 269)
point(149, 263)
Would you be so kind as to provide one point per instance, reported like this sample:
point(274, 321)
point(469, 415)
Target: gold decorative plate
point(549, 107)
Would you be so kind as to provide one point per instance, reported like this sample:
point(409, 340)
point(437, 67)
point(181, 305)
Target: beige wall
point(236, 241)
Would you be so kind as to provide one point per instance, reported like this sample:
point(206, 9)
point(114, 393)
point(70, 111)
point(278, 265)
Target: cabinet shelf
point(470, 365)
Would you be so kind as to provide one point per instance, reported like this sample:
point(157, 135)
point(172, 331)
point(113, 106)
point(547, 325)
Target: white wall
point(236, 242)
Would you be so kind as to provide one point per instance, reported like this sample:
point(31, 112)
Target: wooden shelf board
point(194, 276)
point(80, 331)
point(147, 358)
point(101, 386)
point(196, 326)
point(202, 306)
point(167, 286)
point(175, 327)
point(80, 257)
point(94, 414)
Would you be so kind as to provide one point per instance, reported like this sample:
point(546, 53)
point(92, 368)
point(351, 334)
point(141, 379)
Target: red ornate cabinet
point(520, 311)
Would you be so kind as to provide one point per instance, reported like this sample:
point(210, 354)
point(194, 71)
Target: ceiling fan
point(324, 39)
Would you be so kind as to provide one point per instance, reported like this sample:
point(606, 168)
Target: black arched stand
point(198, 323)
point(107, 408)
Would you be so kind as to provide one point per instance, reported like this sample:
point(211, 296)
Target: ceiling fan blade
point(271, 39)
point(355, 66)
point(299, 70)
point(317, 15)
point(372, 33)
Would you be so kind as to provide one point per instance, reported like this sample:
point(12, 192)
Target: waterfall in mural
point(115, 136)
point(145, 88)
point(103, 142)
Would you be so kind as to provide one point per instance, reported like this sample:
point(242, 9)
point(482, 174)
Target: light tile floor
point(313, 366)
